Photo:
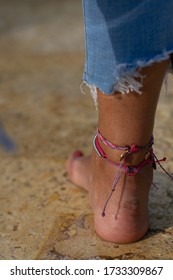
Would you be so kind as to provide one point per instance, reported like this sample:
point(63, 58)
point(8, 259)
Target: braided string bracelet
point(129, 170)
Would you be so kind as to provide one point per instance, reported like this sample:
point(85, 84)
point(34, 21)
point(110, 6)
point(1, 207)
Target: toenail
point(77, 154)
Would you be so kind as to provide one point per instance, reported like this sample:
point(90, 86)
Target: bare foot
point(124, 120)
point(126, 218)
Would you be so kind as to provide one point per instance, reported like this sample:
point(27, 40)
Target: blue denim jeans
point(122, 36)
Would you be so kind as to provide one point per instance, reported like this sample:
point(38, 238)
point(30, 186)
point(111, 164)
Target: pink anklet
point(129, 170)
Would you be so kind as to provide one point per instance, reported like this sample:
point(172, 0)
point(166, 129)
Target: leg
point(123, 120)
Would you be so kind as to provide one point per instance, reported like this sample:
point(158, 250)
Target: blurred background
point(41, 62)
point(42, 215)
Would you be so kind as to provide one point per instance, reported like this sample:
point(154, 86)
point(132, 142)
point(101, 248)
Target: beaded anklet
point(129, 170)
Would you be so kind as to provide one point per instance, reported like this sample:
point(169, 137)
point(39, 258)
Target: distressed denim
point(122, 36)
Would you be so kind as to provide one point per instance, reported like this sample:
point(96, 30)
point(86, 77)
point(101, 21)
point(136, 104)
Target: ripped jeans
point(122, 36)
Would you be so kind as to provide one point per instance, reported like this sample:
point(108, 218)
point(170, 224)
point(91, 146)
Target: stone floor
point(42, 215)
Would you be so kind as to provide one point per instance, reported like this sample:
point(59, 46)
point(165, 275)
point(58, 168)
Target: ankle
point(124, 165)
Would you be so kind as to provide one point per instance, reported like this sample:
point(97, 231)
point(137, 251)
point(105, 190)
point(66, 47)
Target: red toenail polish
point(78, 154)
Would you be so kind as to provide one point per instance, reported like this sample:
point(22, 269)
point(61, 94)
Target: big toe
point(77, 167)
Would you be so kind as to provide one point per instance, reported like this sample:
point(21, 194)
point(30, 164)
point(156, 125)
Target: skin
point(124, 120)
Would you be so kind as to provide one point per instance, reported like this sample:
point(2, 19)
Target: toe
point(70, 163)
point(77, 169)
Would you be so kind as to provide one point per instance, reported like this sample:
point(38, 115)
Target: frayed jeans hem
point(128, 79)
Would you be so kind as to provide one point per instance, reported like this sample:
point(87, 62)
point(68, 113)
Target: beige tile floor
point(42, 215)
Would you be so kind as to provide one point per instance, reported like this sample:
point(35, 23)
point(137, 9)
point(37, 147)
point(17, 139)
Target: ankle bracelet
point(129, 170)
